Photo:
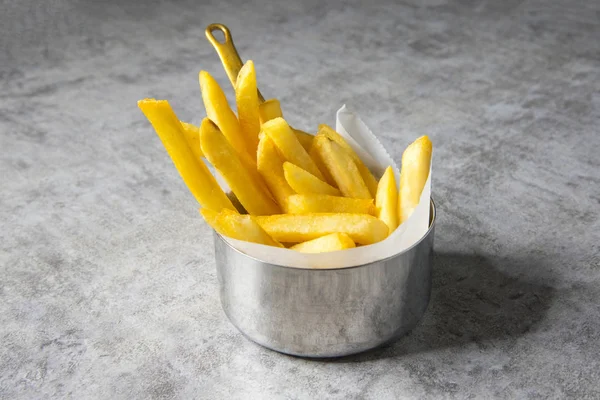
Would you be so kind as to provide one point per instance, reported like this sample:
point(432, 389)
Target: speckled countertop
point(108, 286)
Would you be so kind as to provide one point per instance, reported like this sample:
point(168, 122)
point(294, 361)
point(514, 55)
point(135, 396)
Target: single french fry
point(270, 166)
point(193, 171)
point(322, 203)
point(269, 110)
point(324, 244)
point(342, 168)
point(238, 226)
point(242, 182)
point(218, 110)
point(416, 161)
point(362, 228)
point(192, 135)
point(289, 146)
point(386, 200)
point(365, 173)
point(304, 182)
point(304, 138)
point(246, 97)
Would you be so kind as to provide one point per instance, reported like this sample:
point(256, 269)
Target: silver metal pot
point(326, 312)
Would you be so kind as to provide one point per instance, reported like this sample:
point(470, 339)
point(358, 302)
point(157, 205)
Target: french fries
point(367, 176)
point(304, 182)
point(342, 168)
point(289, 146)
point(237, 226)
point(322, 203)
point(246, 97)
point(324, 244)
point(331, 200)
point(416, 161)
point(193, 171)
point(245, 185)
point(316, 156)
point(270, 166)
point(218, 110)
point(386, 200)
point(271, 109)
point(362, 228)
point(192, 135)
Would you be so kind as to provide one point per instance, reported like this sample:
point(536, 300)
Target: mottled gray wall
point(107, 283)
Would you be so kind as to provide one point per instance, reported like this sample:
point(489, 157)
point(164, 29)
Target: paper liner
point(376, 158)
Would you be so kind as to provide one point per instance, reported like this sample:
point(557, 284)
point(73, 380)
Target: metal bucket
point(326, 312)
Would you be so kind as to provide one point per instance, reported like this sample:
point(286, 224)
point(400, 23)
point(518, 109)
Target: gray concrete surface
point(108, 286)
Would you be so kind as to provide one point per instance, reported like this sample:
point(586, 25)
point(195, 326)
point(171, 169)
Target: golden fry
point(322, 203)
point(246, 97)
point(218, 110)
point(194, 172)
point(304, 182)
point(342, 168)
point(289, 146)
point(237, 226)
point(324, 244)
point(362, 228)
point(270, 166)
point(387, 199)
point(416, 161)
point(242, 182)
point(367, 176)
point(192, 135)
point(269, 110)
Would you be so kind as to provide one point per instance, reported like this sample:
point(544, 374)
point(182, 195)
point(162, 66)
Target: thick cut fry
point(194, 172)
point(246, 97)
point(324, 244)
point(218, 110)
point(282, 135)
point(192, 135)
point(269, 110)
point(270, 166)
point(322, 203)
point(237, 226)
point(362, 228)
point(304, 182)
point(367, 176)
point(244, 184)
point(387, 199)
point(342, 168)
point(416, 161)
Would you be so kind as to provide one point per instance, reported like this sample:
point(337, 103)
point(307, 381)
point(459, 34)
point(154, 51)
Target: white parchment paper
point(376, 158)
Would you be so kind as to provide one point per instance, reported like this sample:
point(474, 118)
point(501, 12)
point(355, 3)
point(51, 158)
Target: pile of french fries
point(309, 193)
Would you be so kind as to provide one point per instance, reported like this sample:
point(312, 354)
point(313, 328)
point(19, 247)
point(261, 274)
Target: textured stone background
point(108, 286)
